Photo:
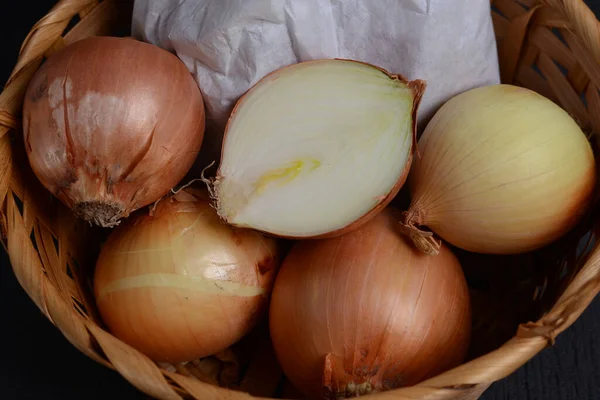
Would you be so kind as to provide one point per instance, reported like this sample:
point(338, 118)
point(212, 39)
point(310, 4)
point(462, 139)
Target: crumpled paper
point(228, 45)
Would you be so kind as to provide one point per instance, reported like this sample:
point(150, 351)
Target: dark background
point(36, 362)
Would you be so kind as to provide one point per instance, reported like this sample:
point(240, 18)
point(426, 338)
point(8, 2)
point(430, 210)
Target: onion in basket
point(111, 125)
point(317, 148)
point(503, 170)
point(366, 311)
point(180, 284)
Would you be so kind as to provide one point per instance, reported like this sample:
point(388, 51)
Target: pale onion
point(111, 125)
point(366, 312)
point(503, 170)
point(180, 284)
point(317, 148)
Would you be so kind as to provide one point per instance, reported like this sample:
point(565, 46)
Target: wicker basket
point(550, 46)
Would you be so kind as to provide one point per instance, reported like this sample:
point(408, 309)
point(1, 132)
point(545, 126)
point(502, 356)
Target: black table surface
point(37, 362)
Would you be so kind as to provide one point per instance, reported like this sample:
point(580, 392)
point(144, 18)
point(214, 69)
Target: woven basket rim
point(467, 381)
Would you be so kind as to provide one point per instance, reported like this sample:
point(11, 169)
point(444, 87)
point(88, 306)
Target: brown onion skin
point(368, 307)
point(111, 125)
point(418, 87)
point(174, 324)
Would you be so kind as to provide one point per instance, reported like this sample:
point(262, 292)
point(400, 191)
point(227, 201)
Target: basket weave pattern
point(550, 46)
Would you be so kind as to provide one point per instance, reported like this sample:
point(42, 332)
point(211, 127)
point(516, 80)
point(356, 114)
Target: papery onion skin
point(503, 171)
point(180, 284)
point(367, 312)
point(417, 87)
point(111, 125)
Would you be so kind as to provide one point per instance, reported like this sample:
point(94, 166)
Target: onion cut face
point(366, 312)
point(180, 284)
point(317, 148)
point(503, 170)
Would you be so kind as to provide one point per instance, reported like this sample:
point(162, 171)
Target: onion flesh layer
point(315, 147)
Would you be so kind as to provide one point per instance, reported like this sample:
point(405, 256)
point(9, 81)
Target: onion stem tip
point(423, 240)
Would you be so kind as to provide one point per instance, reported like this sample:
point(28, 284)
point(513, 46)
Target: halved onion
point(317, 148)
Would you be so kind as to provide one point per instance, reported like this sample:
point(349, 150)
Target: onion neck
point(423, 240)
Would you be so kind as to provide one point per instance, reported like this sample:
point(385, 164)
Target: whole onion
point(503, 170)
point(366, 312)
point(180, 284)
point(111, 125)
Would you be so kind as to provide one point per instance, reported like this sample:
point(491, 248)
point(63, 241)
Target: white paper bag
point(229, 45)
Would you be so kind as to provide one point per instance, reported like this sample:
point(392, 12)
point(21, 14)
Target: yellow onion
point(180, 284)
point(111, 125)
point(317, 148)
point(367, 312)
point(503, 170)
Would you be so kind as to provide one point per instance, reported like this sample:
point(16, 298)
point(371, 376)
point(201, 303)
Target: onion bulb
point(180, 284)
point(367, 312)
point(111, 125)
point(317, 148)
point(503, 171)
